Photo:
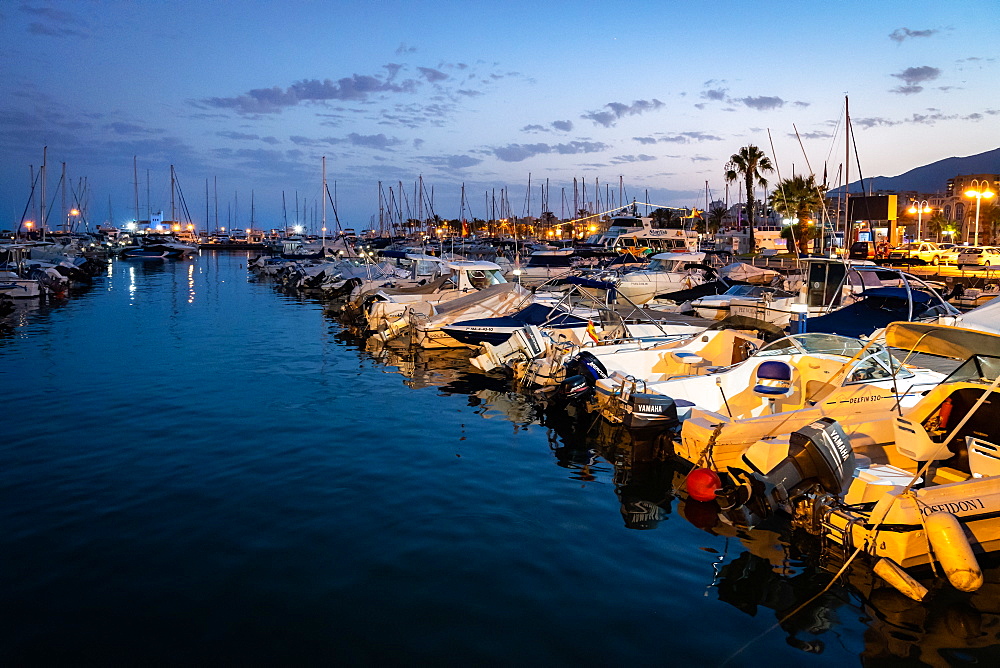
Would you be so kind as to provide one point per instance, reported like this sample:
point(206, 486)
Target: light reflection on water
point(199, 466)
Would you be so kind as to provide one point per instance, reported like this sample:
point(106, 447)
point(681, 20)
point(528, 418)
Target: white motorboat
point(666, 272)
point(811, 369)
point(717, 307)
point(391, 308)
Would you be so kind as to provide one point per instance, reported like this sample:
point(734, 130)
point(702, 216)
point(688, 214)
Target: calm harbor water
point(198, 468)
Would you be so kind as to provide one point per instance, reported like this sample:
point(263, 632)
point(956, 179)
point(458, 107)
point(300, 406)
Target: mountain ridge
point(930, 178)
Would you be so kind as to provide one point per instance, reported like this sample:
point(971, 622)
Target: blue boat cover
point(589, 283)
point(877, 308)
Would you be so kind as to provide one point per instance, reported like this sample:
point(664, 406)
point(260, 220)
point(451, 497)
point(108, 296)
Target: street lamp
point(919, 208)
point(980, 189)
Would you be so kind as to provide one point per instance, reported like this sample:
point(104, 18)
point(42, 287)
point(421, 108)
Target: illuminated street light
point(69, 214)
point(919, 208)
point(980, 189)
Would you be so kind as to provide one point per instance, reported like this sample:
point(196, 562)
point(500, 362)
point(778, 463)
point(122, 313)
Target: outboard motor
point(575, 388)
point(819, 458)
point(650, 410)
point(586, 364)
point(582, 372)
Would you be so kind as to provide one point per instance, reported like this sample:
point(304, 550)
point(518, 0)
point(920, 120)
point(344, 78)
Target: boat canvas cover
point(941, 340)
point(689, 294)
point(741, 271)
point(685, 257)
point(499, 299)
point(533, 314)
point(427, 288)
point(877, 308)
point(985, 318)
point(590, 283)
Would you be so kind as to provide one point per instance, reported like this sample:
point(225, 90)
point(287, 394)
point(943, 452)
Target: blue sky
point(656, 95)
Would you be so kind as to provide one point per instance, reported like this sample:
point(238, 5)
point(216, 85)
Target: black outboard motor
point(582, 372)
point(819, 458)
point(586, 364)
point(575, 388)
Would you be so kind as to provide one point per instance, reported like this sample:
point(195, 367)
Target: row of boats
point(33, 271)
point(851, 401)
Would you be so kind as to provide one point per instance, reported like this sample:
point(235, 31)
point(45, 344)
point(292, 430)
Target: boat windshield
point(744, 291)
point(664, 265)
point(976, 369)
point(814, 343)
point(875, 363)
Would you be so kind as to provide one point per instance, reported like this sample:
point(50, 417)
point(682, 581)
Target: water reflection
point(764, 571)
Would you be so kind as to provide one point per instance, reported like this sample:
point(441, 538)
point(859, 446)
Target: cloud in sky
point(900, 35)
point(519, 152)
point(617, 110)
point(931, 118)
point(355, 88)
point(454, 161)
point(432, 75)
point(762, 102)
point(913, 77)
point(54, 23)
point(678, 138)
point(626, 159)
point(561, 126)
point(716, 92)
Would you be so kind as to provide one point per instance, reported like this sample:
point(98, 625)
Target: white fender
point(952, 549)
point(893, 573)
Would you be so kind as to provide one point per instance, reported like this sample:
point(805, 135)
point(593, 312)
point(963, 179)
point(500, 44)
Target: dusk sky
point(481, 93)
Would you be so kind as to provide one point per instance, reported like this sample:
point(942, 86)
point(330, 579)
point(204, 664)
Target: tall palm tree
point(801, 198)
point(749, 166)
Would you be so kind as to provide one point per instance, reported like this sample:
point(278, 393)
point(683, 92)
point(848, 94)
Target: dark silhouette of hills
point(931, 178)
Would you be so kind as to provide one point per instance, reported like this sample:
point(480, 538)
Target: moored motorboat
point(905, 483)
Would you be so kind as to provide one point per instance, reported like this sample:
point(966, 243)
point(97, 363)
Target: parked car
point(949, 253)
point(987, 256)
point(916, 252)
point(862, 250)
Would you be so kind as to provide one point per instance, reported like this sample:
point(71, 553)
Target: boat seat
point(686, 358)
point(913, 441)
point(984, 457)
point(773, 379)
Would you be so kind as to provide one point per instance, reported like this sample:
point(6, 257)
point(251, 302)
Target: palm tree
point(716, 216)
point(664, 217)
point(989, 221)
point(799, 197)
point(749, 165)
point(936, 224)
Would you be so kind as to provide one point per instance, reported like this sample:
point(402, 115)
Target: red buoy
point(702, 483)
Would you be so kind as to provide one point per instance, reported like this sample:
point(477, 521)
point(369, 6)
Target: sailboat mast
point(324, 202)
point(65, 219)
point(135, 183)
point(41, 216)
point(173, 213)
point(847, 171)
